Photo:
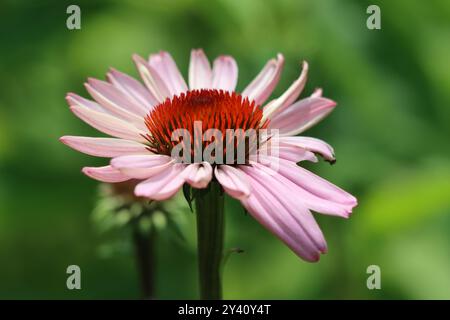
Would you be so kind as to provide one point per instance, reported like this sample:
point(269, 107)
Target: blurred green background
point(390, 131)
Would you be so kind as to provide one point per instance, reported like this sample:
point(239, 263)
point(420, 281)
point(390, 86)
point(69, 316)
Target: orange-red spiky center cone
point(216, 109)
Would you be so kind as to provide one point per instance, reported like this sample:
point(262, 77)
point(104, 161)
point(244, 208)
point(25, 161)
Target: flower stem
point(210, 233)
point(144, 247)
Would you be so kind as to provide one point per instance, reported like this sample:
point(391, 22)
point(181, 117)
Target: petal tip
point(73, 108)
point(114, 163)
point(198, 50)
point(88, 171)
point(317, 93)
point(138, 60)
point(280, 57)
point(64, 139)
point(315, 258)
point(70, 96)
point(139, 193)
point(305, 65)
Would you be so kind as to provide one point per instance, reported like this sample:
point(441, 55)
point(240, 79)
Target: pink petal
point(274, 147)
point(317, 185)
point(301, 214)
point(104, 147)
point(317, 93)
point(75, 100)
point(288, 152)
point(114, 101)
point(291, 222)
point(225, 73)
point(256, 206)
point(301, 115)
point(312, 191)
point(233, 181)
point(78, 101)
point(265, 82)
point(289, 96)
point(141, 166)
point(199, 175)
point(133, 90)
point(108, 124)
point(167, 69)
point(311, 144)
point(105, 174)
point(152, 79)
point(162, 185)
point(200, 74)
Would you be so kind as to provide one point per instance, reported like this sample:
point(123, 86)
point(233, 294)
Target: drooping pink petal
point(133, 90)
point(152, 80)
point(312, 144)
point(167, 69)
point(108, 124)
point(265, 82)
point(256, 206)
point(141, 166)
point(162, 185)
point(199, 175)
point(301, 115)
point(269, 203)
point(233, 181)
point(200, 74)
point(104, 147)
point(115, 101)
point(224, 73)
point(289, 96)
point(105, 174)
point(316, 194)
point(300, 214)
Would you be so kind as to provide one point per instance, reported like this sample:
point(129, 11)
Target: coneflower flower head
point(167, 134)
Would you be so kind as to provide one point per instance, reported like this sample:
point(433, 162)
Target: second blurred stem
point(144, 247)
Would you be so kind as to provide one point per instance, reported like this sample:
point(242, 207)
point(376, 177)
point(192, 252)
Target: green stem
point(210, 233)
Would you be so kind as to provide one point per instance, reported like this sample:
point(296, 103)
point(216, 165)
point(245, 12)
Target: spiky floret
point(216, 109)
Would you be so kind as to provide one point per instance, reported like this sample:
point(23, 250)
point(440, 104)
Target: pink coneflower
point(141, 118)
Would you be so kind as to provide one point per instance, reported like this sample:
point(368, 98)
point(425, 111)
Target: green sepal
point(187, 190)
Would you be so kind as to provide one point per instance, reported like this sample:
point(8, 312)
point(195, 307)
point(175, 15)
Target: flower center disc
point(213, 109)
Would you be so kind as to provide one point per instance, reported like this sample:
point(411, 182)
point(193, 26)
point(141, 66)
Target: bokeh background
point(390, 131)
